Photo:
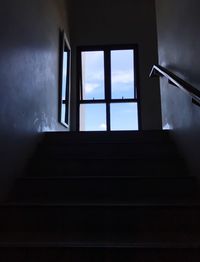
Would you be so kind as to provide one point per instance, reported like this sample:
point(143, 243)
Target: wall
point(121, 22)
point(179, 51)
point(29, 50)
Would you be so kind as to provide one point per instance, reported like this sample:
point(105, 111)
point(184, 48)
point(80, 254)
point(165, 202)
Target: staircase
point(121, 196)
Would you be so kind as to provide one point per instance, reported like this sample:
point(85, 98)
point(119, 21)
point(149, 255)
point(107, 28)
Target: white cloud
point(128, 111)
point(122, 77)
point(93, 65)
point(103, 126)
point(91, 75)
point(90, 87)
point(92, 58)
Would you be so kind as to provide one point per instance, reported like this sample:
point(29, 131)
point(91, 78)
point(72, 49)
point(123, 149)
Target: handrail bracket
point(195, 102)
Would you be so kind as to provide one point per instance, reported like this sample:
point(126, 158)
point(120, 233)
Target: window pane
point(93, 117)
point(64, 92)
point(93, 75)
point(124, 116)
point(122, 74)
point(65, 71)
point(63, 114)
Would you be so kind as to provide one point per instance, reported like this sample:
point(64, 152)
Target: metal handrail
point(160, 71)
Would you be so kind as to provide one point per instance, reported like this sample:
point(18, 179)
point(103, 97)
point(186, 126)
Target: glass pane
point(122, 74)
point(93, 117)
point(93, 75)
point(65, 71)
point(63, 114)
point(124, 116)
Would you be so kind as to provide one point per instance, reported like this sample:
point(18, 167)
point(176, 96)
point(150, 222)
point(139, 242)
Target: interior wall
point(179, 50)
point(120, 22)
point(29, 50)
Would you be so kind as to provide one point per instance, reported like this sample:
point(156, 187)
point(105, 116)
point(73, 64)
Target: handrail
point(160, 71)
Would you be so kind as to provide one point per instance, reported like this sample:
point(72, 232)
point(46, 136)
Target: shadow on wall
point(29, 50)
point(188, 140)
point(183, 117)
point(179, 49)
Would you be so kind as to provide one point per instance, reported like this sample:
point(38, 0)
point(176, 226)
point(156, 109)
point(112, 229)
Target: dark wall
point(29, 47)
point(104, 22)
point(179, 50)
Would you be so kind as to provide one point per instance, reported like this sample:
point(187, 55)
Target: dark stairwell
point(121, 196)
point(98, 197)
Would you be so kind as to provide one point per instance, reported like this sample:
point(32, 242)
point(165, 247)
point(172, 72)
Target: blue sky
point(123, 116)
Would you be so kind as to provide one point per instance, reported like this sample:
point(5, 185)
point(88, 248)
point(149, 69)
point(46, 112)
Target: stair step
point(131, 156)
point(117, 136)
point(97, 221)
point(100, 196)
point(99, 167)
point(111, 157)
point(103, 189)
point(109, 150)
point(53, 240)
point(56, 240)
point(60, 252)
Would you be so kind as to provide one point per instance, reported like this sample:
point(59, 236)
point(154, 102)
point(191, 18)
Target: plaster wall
point(179, 51)
point(29, 48)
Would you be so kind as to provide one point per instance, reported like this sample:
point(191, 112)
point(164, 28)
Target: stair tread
point(58, 240)
point(83, 207)
point(109, 135)
point(158, 204)
point(140, 157)
point(75, 177)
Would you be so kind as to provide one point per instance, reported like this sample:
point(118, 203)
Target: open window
point(64, 92)
point(108, 88)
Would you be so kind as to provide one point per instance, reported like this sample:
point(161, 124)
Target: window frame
point(64, 47)
point(107, 81)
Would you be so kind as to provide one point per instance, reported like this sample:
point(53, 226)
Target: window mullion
point(135, 73)
point(107, 85)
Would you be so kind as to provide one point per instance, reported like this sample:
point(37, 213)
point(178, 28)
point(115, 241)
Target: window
point(108, 88)
point(64, 80)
